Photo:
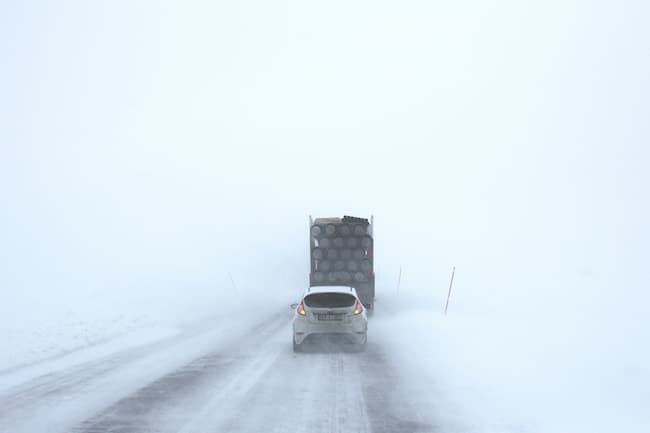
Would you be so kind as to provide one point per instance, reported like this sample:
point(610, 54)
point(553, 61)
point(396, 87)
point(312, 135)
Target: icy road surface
point(222, 379)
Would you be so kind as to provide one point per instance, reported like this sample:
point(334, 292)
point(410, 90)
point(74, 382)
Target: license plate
point(330, 317)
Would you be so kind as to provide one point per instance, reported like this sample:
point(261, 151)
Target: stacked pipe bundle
point(341, 251)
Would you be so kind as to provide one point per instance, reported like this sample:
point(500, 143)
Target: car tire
point(297, 348)
point(361, 347)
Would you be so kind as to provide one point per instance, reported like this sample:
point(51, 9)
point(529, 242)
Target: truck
point(341, 252)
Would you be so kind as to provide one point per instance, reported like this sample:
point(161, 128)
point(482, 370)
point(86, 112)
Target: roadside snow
point(40, 335)
point(91, 387)
point(45, 326)
point(136, 338)
point(31, 339)
point(534, 373)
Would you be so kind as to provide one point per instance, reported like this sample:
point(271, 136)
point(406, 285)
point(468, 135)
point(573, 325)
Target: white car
point(330, 312)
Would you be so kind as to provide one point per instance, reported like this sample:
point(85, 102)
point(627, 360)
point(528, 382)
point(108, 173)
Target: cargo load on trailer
point(342, 254)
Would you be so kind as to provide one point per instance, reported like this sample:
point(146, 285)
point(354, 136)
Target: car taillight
point(301, 310)
point(358, 309)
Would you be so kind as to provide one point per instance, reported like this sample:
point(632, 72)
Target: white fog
point(160, 161)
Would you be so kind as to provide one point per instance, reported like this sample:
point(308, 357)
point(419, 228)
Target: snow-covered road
point(241, 378)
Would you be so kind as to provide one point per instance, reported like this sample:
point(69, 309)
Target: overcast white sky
point(160, 144)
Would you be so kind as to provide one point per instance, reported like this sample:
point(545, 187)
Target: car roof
point(330, 289)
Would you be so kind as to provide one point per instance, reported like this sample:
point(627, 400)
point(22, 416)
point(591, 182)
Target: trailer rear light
point(358, 309)
point(301, 310)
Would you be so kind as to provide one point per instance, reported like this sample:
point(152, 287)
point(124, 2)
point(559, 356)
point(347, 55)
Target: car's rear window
point(329, 300)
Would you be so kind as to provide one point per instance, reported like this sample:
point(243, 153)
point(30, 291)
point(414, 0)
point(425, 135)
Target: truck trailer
point(341, 252)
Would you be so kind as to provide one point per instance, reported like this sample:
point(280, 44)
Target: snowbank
point(45, 327)
point(36, 338)
point(540, 372)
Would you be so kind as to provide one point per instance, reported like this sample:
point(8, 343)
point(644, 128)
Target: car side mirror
point(293, 306)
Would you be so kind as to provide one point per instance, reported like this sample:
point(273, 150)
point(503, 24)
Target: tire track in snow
point(57, 401)
point(255, 383)
point(196, 394)
point(261, 385)
point(390, 407)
